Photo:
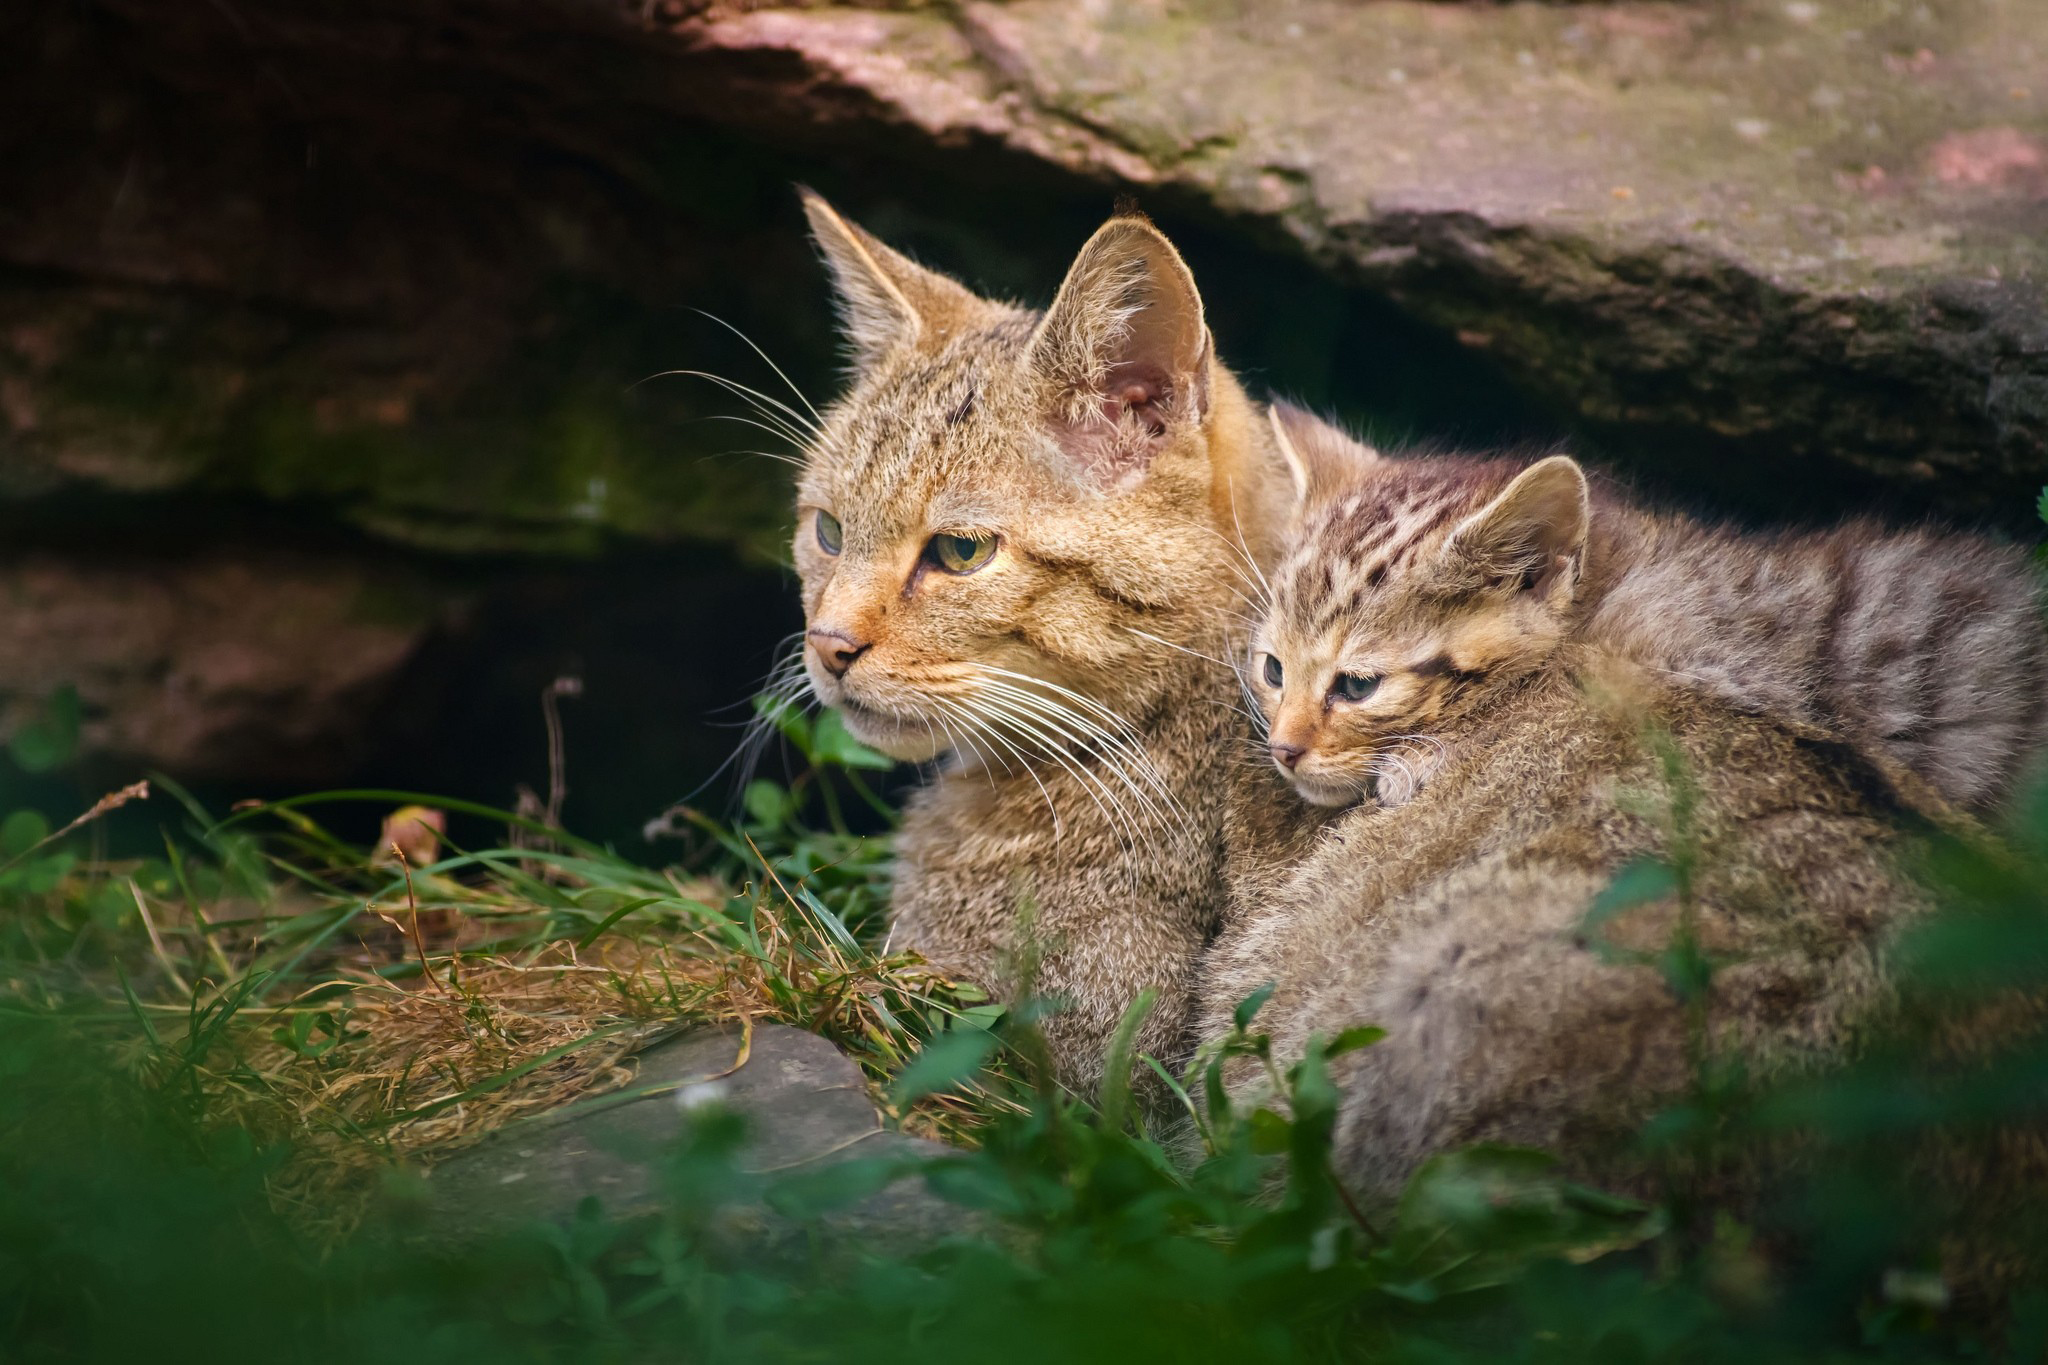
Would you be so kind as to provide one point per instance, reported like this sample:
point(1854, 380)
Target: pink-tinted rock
point(255, 667)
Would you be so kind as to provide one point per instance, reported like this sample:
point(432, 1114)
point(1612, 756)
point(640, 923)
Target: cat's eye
point(1354, 686)
point(830, 538)
point(962, 554)
point(1273, 673)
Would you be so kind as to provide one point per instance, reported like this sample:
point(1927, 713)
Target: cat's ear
point(1125, 348)
point(886, 300)
point(1533, 532)
point(1322, 458)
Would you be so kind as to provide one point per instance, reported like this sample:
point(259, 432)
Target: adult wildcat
point(1021, 537)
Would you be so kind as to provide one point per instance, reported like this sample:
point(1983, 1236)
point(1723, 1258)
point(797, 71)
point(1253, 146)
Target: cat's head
point(1413, 593)
point(1009, 508)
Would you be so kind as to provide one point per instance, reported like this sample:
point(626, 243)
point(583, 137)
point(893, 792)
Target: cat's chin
point(1331, 795)
point(906, 741)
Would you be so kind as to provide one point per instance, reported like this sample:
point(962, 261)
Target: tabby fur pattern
point(1518, 769)
point(1022, 537)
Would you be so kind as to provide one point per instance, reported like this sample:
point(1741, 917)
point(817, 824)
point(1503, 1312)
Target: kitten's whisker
point(1247, 588)
point(1240, 545)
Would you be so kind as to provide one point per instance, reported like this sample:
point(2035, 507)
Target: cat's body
point(1426, 657)
point(1021, 536)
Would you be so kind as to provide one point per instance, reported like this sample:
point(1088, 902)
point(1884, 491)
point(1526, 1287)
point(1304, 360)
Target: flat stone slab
point(806, 1110)
point(1819, 227)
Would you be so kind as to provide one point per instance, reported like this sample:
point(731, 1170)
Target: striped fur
point(1505, 744)
point(1070, 693)
point(1924, 649)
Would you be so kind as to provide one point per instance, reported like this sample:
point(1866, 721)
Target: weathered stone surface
point(1820, 227)
point(206, 664)
point(402, 258)
point(806, 1109)
point(398, 265)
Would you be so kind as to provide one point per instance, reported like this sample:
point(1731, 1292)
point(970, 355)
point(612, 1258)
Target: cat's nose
point(1287, 755)
point(836, 649)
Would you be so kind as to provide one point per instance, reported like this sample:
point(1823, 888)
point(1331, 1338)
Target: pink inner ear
point(1140, 391)
point(1119, 438)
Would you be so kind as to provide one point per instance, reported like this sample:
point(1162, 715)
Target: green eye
point(829, 535)
point(1273, 673)
point(962, 554)
point(1354, 686)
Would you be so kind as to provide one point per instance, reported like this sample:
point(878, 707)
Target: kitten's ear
point(1322, 458)
point(1125, 348)
point(1533, 531)
point(885, 299)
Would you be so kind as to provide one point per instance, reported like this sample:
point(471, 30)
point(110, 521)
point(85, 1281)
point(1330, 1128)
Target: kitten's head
point(1006, 504)
point(1415, 590)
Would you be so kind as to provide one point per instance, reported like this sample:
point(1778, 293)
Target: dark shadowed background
point(333, 423)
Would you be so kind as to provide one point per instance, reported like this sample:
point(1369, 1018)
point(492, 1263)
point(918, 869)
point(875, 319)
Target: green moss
point(549, 450)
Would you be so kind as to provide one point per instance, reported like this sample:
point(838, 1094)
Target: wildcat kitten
point(1923, 649)
point(1426, 640)
point(1020, 536)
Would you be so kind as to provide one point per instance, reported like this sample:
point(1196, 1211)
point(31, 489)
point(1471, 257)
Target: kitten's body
point(1509, 774)
point(1020, 536)
point(1454, 923)
point(1923, 648)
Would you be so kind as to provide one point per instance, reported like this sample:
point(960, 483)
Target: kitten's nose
point(1287, 755)
point(836, 649)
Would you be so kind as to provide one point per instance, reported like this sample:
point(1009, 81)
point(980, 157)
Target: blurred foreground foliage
point(218, 1065)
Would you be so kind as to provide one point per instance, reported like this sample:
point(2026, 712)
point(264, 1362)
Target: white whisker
point(816, 419)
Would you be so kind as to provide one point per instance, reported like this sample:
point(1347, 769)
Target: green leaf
point(1249, 1007)
point(945, 1062)
point(1269, 1132)
point(1476, 1218)
point(833, 743)
point(1352, 1039)
point(768, 804)
point(811, 1193)
point(1641, 882)
point(2041, 505)
point(1116, 1073)
point(1217, 1095)
point(50, 740)
point(789, 717)
point(21, 831)
point(47, 873)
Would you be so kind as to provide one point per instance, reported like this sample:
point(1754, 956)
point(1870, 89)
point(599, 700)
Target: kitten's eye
point(829, 536)
point(1354, 686)
point(1273, 673)
point(962, 554)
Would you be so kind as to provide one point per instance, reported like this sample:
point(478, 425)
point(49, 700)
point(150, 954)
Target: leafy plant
point(174, 1137)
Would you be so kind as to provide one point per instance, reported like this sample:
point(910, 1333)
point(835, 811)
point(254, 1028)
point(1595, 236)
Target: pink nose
point(1287, 755)
point(836, 649)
